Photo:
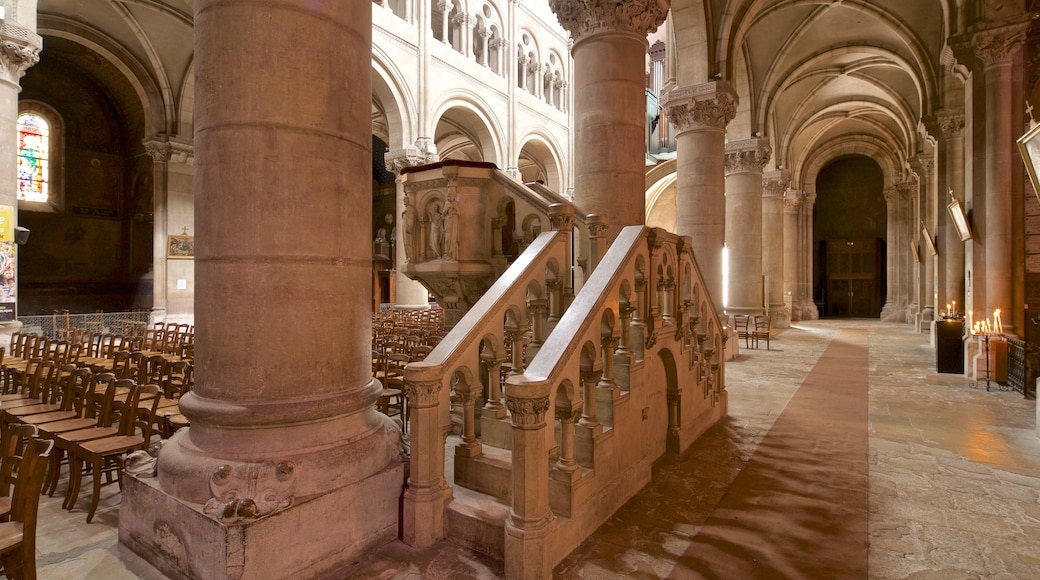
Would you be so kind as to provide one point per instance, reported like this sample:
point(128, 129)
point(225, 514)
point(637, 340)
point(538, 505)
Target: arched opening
point(849, 235)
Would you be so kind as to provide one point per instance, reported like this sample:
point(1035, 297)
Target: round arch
point(540, 160)
point(466, 130)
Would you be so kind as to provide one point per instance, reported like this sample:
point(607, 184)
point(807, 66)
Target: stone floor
point(953, 482)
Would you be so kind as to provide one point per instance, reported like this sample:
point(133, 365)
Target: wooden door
point(853, 278)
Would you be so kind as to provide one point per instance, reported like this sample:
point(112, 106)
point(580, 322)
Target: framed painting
point(929, 241)
point(914, 251)
point(960, 219)
point(180, 247)
point(1029, 146)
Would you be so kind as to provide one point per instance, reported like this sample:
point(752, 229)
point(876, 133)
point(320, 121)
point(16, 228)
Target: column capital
point(951, 123)
point(561, 216)
point(584, 18)
point(422, 394)
point(747, 155)
point(922, 164)
point(710, 105)
point(410, 156)
point(19, 50)
point(527, 413)
point(158, 148)
point(793, 199)
point(994, 44)
point(597, 224)
point(774, 183)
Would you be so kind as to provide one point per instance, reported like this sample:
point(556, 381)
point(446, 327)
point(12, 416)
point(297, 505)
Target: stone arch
point(392, 99)
point(540, 160)
point(661, 195)
point(466, 130)
point(673, 402)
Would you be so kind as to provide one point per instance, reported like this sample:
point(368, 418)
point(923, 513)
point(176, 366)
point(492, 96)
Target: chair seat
point(88, 434)
point(67, 425)
point(10, 535)
point(51, 417)
point(33, 409)
point(112, 444)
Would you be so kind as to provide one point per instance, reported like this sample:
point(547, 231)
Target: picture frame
point(914, 251)
point(929, 241)
point(1029, 147)
point(960, 219)
point(180, 247)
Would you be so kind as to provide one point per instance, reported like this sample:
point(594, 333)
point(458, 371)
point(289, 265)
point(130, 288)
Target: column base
point(312, 538)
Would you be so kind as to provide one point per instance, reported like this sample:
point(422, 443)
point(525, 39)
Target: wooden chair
point(104, 455)
point(18, 536)
point(761, 329)
point(13, 443)
point(742, 325)
point(391, 401)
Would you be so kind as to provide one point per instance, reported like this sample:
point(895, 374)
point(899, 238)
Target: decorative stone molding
point(710, 105)
point(793, 200)
point(158, 150)
point(774, 184)
point(249, 492)
point(527, 413)
point(17, 56)
point(922, 164)
point(582, 18)
point(993, 46)
point(561, 217)
point(422, 394)
point(398, 160)
point(951, 123)
point(747, 155)
point(182, 151)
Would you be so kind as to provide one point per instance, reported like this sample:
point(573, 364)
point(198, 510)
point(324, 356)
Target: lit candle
point(997, 325)
point(948, 310)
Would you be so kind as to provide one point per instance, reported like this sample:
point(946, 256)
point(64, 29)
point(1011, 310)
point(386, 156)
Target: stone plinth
point(179, 539)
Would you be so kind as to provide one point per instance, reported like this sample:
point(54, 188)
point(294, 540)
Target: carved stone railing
point(632, 369)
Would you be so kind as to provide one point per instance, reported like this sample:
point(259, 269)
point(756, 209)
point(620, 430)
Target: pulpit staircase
point(600, 383)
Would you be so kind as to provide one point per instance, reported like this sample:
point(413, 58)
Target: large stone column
point(792, 205)
point(951, 125)
point(19, 49)
point(897, 265)
point(774, 185)
point(287, 469)
point(994, 48)
point(700, 114)
point(744, 163)
point(609, 53)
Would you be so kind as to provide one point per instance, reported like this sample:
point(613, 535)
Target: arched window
point(41, 163)
point(34, 153)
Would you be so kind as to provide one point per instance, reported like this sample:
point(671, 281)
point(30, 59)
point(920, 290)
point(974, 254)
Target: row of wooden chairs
point(93, 418)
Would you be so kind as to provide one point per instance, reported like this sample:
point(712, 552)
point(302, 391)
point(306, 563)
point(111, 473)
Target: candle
point(997, 325)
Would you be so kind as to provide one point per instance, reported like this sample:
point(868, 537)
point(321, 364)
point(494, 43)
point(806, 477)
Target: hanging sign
point(8, 261)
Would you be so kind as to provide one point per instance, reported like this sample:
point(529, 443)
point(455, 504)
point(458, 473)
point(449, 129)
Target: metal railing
point(57, 325)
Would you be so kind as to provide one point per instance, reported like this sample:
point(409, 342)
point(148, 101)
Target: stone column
point(609, 50)
point(805, 256)
point(897, 250)
point(792, 207)
point(995, 48)
point(158, 149)
point(744, 163)
point(774, 246)
point(951, 124)
point(282, 431)
point(530, 521)
point(19, 49)
point(924, 166)
point(700, 114)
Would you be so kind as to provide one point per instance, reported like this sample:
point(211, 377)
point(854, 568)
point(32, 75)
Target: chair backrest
point(180, 379)
point(144, 412)
point(37, 377)
point(25, 500)
point(12, 447)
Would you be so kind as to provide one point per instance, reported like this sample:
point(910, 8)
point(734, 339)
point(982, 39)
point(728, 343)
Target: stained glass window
point(33, 155)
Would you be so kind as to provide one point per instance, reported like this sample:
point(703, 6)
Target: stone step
point(477, 521)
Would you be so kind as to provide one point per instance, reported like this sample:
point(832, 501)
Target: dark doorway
point(849, 230)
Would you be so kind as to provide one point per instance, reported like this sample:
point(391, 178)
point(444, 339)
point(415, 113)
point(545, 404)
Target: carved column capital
point(994, 45)
point(774, 183)
point(158, 149)
point(793, 200)
point(19, 50)
point(597, 225)
point(422, 394)
point(747, 155)
point(527, 413)
point(583, 18)
point(561, 216)
point(922, 164)
point(398, 160)
point(951, 123)
point(710, 105)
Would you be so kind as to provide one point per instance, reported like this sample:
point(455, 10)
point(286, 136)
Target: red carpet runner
point(799, 508)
